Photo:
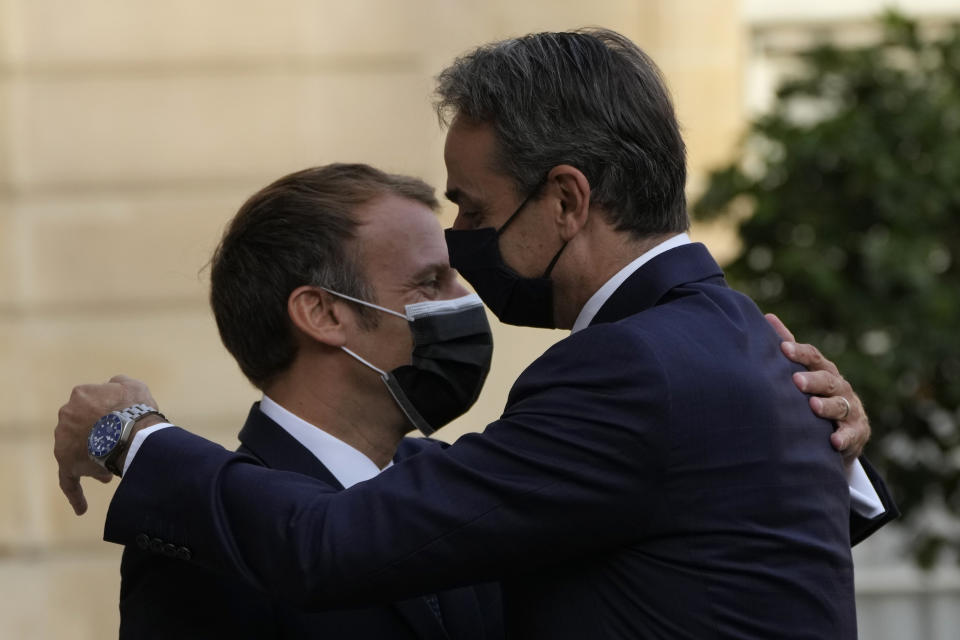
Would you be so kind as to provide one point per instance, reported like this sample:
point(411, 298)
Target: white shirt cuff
point(142, 435)
point(863, 497)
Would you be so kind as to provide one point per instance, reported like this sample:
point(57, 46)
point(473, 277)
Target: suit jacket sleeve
point(572, 465)
point(860, 527)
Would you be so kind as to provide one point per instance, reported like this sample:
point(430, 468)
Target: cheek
point(398, 346)
point(522, 251)
point(387, 347)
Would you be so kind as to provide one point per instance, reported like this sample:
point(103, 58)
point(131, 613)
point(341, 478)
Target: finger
point(70, 485)
point(833, 409)
point(845, 440)
point(822, 383)
point(809, 356)
point(780, 328)
point(106, 392)
point(134, 390)
point(87, 403)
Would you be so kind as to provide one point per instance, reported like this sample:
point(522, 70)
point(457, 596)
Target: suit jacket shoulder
point(692, 266)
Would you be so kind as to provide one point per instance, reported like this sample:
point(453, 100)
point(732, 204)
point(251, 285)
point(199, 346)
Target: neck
point(597, 257)
point(355, 414)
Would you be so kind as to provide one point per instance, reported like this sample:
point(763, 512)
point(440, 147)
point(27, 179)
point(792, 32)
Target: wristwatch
point(111, 435)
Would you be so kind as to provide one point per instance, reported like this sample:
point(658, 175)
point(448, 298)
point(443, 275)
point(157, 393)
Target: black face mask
point(514, 299)
point(452, 348)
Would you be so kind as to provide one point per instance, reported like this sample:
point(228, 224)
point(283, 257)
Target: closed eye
point(431, 284)
point(470, 219)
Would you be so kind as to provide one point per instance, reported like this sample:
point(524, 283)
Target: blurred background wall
point(132, 130)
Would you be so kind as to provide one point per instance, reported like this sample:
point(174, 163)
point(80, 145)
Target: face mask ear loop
point(523, 204)
point(365, 303)
point(546, 274)
point(383, 374)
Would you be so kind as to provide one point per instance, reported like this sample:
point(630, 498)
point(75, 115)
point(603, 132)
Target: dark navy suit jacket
point(167, 598)
point(656, 475)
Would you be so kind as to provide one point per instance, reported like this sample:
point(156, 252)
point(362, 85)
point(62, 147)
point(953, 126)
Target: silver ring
point(846, 412)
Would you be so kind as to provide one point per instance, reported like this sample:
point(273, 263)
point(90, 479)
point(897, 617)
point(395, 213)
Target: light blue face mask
point(452, 348)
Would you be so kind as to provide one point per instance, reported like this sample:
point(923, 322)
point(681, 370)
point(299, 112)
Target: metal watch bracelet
point(133, 415)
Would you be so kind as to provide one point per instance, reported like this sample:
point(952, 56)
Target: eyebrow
point(431, 269)
point(456, 195)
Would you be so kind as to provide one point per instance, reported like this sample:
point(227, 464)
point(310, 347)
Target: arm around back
point(560, 474)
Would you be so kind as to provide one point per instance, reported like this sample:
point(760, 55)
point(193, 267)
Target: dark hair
point(297, 231)
point(588, 98)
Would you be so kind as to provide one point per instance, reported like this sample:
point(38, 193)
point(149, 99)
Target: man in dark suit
point(320, 216)
point(654, 475)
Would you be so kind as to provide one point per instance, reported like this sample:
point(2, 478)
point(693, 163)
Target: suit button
point(156, 545)
point(183, 553)
point(170, 550)
point(143, 541)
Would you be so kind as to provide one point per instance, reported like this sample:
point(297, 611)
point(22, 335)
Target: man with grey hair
point(655, 474)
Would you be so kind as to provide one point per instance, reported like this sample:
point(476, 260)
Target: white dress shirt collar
point(603, 294)
point(347, 465)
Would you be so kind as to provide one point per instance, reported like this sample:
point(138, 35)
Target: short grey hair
point(588, 98)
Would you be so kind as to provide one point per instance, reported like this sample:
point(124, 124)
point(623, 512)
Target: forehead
point(470, 153)
point(469, 145)
point(397, 238)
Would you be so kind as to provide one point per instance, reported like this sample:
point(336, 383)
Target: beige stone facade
point(130, 132)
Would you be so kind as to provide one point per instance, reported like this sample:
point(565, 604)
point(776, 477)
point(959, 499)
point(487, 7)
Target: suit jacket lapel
point(649, 284)
point(276, 448)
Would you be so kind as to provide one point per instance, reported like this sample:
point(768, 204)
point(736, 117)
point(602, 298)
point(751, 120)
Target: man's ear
point(317, 314)
point(572, 190)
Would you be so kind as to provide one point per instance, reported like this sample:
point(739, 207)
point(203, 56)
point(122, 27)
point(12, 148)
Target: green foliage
point(853, 181)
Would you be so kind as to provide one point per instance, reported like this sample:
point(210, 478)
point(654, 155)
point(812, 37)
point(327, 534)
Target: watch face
point(105, 435)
